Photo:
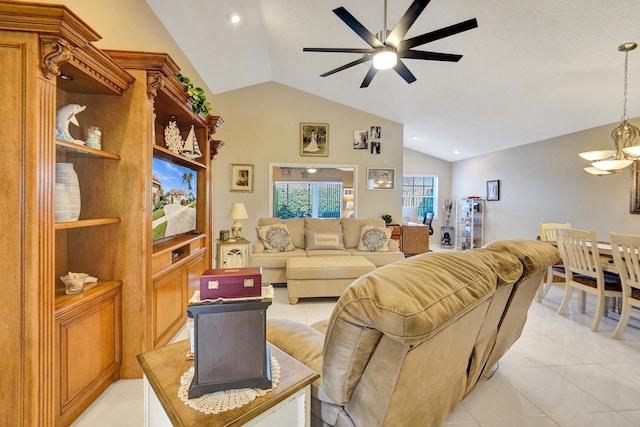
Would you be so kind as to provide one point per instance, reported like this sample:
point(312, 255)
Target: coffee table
point(287, 405)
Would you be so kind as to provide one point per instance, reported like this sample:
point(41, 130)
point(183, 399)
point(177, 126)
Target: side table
point(232, 253)
point(286, 405)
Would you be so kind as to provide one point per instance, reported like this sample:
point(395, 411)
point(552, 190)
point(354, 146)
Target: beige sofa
point(274, 263)
point(407, 342)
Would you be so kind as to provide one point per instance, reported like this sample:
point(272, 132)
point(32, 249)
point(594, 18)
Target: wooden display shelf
point(86, 223)
point(166, 154)
point(65, 303)
point(71, 147)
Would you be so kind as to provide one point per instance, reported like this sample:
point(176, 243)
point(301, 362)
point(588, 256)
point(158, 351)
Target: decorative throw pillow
point(275, 238)
point(374, 239)
point(324, 240)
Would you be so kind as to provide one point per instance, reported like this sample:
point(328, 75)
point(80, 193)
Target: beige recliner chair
point(408, 341)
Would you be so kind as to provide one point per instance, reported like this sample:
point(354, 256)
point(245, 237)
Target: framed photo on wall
point(241, 178)
point(381, 178)
point(493, 190)
point(314, 139)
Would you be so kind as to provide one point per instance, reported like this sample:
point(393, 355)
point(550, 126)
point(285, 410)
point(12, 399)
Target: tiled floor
point(557, 374)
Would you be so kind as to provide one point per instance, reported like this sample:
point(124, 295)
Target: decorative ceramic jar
point(65, 174)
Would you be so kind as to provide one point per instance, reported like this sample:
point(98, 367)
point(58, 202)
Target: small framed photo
point(375, 132)
point(381, 178)
point(314, 139)
point(360, 139)
point(375, 147)
point(241, 178)
point(347, 192)
point(493, 190)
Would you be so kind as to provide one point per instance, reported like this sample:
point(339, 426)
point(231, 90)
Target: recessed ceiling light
point(233, 17)
point(456, 151)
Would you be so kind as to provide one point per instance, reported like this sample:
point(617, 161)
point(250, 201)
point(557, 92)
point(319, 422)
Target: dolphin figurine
point(65, 115)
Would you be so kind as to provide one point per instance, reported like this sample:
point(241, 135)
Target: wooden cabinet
point(48, 60)
point(415, 238)
point(88, 337)
point(232, 254)
point(169, 269)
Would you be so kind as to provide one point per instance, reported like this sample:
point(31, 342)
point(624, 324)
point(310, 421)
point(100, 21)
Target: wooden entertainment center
point(61, 351)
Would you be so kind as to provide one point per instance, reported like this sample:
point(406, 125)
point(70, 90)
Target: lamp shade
point(349, 205)
point(238, 211)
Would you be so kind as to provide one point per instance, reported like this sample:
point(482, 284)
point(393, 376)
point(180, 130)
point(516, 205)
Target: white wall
point(545, 182)
point(262, 126)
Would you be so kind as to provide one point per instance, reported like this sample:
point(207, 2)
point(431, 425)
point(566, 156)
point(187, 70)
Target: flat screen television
point(174, 197)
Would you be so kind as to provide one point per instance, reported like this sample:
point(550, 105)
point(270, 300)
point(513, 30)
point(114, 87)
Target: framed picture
point(314, 139)
point(360, 139)
point(241, 178)
point(347, 192)
point(375, 133)
point(381, 178)
point(375, 147)
point(634, 202)
point(493, 190)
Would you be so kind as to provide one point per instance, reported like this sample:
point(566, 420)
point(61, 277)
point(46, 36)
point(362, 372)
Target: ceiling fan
point(388, 48)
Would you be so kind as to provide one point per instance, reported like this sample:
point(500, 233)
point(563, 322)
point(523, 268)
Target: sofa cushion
point(275, 259)
point(374, 239)
point(379, 258)
point(326, 240)
point(325, 224)
point(275, 238)
point(295, 226)
point(351, 227)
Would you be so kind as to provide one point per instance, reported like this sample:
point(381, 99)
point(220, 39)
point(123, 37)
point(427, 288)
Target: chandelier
point(607, 162)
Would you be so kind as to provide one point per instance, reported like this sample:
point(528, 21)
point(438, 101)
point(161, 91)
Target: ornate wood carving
point(55, 52)
point(155, 81)
point(215, 145)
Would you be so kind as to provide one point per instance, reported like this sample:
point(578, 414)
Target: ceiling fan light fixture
point(385, 59)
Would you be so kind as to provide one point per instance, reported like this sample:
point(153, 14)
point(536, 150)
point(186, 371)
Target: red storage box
point(231, 283)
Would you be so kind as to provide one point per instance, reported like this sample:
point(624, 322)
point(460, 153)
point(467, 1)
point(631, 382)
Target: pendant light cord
point(626, 66)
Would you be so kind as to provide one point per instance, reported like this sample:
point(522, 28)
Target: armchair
point(408, 341)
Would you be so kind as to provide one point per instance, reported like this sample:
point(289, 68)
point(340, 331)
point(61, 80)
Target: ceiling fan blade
point(370, 75)
point(438, 34)
point(365, 58)
point(357, 27)
point(407, 20)
point(336, 49)
point(404, 72)
point(431, 56)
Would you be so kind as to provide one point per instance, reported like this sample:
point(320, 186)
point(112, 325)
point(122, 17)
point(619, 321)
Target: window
point(419, 196)
point(307, 199)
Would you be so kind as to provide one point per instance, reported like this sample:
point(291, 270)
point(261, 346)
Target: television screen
point(174, 196)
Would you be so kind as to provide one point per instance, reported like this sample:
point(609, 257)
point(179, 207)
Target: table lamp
point(236, 213)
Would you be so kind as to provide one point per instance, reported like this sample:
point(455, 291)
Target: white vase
point(63, 204)
point(65, 174)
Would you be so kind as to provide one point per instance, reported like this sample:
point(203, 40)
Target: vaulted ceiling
point(532, 70)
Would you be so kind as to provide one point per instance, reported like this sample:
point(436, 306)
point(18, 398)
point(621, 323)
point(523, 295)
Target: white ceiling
point(532, 70)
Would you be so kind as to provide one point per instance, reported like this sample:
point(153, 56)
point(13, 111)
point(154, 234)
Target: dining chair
point(548, 234)
point(583, 271)
point(625, 249)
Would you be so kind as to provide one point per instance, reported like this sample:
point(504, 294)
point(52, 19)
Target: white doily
point(220, 401)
